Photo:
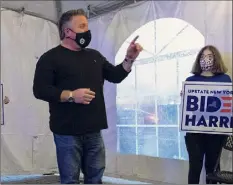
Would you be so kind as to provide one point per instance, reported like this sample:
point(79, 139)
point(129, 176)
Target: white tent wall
point(212, 18)
point(26, 143)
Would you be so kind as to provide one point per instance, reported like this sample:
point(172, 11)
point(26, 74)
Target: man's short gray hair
point(66, 17)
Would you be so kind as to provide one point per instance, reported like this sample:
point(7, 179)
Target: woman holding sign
point(208, 67)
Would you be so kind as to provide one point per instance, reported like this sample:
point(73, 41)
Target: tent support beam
point(58, 8)
point(23, 11)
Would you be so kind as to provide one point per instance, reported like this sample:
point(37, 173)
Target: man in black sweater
point(70, 78)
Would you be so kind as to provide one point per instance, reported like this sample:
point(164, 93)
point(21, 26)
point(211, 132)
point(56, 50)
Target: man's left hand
point(133, 50)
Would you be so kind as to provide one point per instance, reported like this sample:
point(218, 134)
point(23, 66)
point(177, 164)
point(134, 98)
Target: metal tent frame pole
point(22, 10)
point(58, 8)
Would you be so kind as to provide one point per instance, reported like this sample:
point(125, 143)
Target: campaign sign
point(207, 108)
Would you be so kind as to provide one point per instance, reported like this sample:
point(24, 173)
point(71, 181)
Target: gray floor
point(31, 179)
point(54, 179)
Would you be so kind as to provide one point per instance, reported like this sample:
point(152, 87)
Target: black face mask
point(83, 39)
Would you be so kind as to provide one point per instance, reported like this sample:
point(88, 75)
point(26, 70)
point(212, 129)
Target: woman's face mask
point(207, 62)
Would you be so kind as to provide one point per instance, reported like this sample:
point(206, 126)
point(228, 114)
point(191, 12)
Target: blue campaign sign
point(207, 108)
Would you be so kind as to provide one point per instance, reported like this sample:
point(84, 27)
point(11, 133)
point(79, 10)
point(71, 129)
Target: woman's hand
point(181, 93)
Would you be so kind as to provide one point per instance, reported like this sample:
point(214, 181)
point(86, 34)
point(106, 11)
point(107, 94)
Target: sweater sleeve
point(44, 81)
point(227, 79)
point(190, 78)
point(111, 73)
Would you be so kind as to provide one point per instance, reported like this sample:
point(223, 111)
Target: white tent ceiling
point(51, 10)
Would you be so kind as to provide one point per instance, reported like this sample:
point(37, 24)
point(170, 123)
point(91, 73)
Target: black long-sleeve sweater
point(63, 69)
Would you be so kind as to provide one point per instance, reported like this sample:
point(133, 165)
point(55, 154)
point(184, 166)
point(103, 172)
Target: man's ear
point(66, 31)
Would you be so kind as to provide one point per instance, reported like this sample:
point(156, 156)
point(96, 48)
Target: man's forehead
point(79, 19)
